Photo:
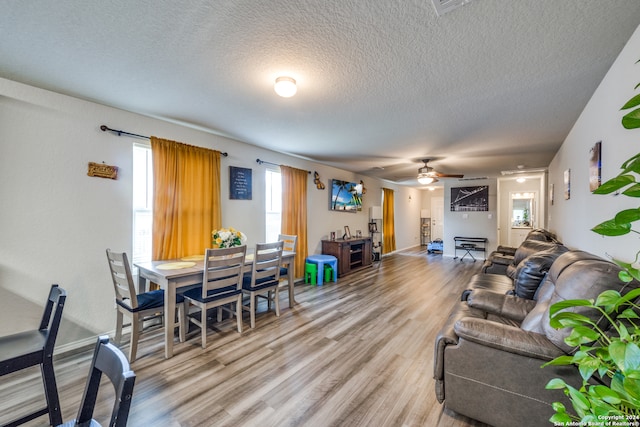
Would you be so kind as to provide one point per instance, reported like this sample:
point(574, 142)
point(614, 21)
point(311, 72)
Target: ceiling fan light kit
point(285, 87)
point(425, 179)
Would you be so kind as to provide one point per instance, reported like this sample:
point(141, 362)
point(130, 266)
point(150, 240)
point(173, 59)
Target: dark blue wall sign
point(239, 183)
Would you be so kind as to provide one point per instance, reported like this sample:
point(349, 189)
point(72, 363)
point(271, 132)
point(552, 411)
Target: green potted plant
point(609, 364)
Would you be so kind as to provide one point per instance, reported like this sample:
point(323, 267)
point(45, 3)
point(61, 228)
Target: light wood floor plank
point(354, 353)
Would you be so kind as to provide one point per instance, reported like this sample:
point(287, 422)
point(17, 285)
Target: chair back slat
point(122, 278)
point(223, 268)
point(108, 360)
point(290, 242)
point(266, 263)
point(55, 305)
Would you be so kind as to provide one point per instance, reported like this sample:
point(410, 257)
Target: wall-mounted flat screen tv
point(345, 196)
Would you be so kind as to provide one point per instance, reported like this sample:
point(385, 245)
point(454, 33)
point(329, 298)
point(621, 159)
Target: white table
point(170, 280)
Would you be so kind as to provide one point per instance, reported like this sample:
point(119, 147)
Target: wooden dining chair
point(26, 349)
point(290, 243)
point(221, 286)
point(139, 307)
point(263, 280)
point(110, 361)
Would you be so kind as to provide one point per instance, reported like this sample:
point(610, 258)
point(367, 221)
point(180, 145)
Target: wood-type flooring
point(358, 352)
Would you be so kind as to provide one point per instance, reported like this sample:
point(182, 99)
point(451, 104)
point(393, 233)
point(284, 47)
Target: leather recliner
point(499, 260)
point(534, 261)
point(489, 352)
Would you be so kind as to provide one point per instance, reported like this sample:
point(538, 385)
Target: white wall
point(56, 222)
point(506, 186)
point(572, 219)
point(470, 224)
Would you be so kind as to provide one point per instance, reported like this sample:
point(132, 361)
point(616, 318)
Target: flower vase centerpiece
point(227, 238)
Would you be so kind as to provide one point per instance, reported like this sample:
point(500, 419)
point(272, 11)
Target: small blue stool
point(321, 260)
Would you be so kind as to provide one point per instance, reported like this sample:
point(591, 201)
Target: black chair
point(26, 349)
point(108, 360)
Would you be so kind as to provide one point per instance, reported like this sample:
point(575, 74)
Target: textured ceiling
point(381, 84)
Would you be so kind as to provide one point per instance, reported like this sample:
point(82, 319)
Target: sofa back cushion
point(574, 275)
point(527, 248)
point(533, 269)
point(542, 235)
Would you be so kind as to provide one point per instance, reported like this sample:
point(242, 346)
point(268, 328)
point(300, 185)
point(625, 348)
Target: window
point(273, 208)
point(142, 203)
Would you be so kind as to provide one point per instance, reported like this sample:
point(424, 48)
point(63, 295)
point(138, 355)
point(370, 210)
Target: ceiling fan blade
point(446, 175)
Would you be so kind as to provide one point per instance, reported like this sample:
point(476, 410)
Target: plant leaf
point(631, 120)
point(632, 357)
point(581, 335)
point(629, 296)
point(587, 367)
point(633, 102)
point(628, 313)
point(633, 191)
point(569, 303)
point(578, 400)
point(560, 361)
point(555, 384)
point(627, 216)
point(627, 165)
point(608, 297)
point(606, 394)
point(614, 184)
point(612, 228)
point(560, 419)
point(568, 319)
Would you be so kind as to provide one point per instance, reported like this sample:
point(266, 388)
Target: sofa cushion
point(526, 249)
point(506, 338)
point(506, 306)
point(574, 275)
point(533, 269)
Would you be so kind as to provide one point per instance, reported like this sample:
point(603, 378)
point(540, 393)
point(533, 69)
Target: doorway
point(437, 217)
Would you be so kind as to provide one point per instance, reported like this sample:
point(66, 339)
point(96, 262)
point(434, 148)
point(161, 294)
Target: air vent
point(523, 170)
point(473, 178)
point(445, 6)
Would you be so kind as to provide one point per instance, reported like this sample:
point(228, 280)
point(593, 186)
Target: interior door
point(437, 217)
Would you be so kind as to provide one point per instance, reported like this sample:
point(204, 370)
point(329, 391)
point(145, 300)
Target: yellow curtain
point(186, 198)
point(294, 211)
point(388, 228)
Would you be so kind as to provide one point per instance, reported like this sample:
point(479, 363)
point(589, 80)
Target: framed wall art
point(470, 199)
point(595, 166)
point(567, 184)
point(239, 183)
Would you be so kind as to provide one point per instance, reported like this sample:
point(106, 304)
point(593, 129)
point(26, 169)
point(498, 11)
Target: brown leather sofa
point(489, 352)
point(498, 261)
point(531, 262)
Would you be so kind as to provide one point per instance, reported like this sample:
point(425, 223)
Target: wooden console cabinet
point(352, 254)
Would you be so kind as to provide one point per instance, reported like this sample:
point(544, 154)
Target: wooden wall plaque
point(102, 170)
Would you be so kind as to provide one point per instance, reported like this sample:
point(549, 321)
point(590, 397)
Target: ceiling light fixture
point(285, 87)
point(425, 179)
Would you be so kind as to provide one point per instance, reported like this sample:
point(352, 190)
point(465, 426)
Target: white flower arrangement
point(227, 238)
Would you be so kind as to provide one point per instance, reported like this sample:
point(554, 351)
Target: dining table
point(172, 274)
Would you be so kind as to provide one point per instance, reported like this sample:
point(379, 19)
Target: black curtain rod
point(105, 128)
point(261, 162)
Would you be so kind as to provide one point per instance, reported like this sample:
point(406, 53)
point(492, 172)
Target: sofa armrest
point(501, 259)
point(506, 250)
point(447, 336)
point(506, 338)
point(509, 306)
